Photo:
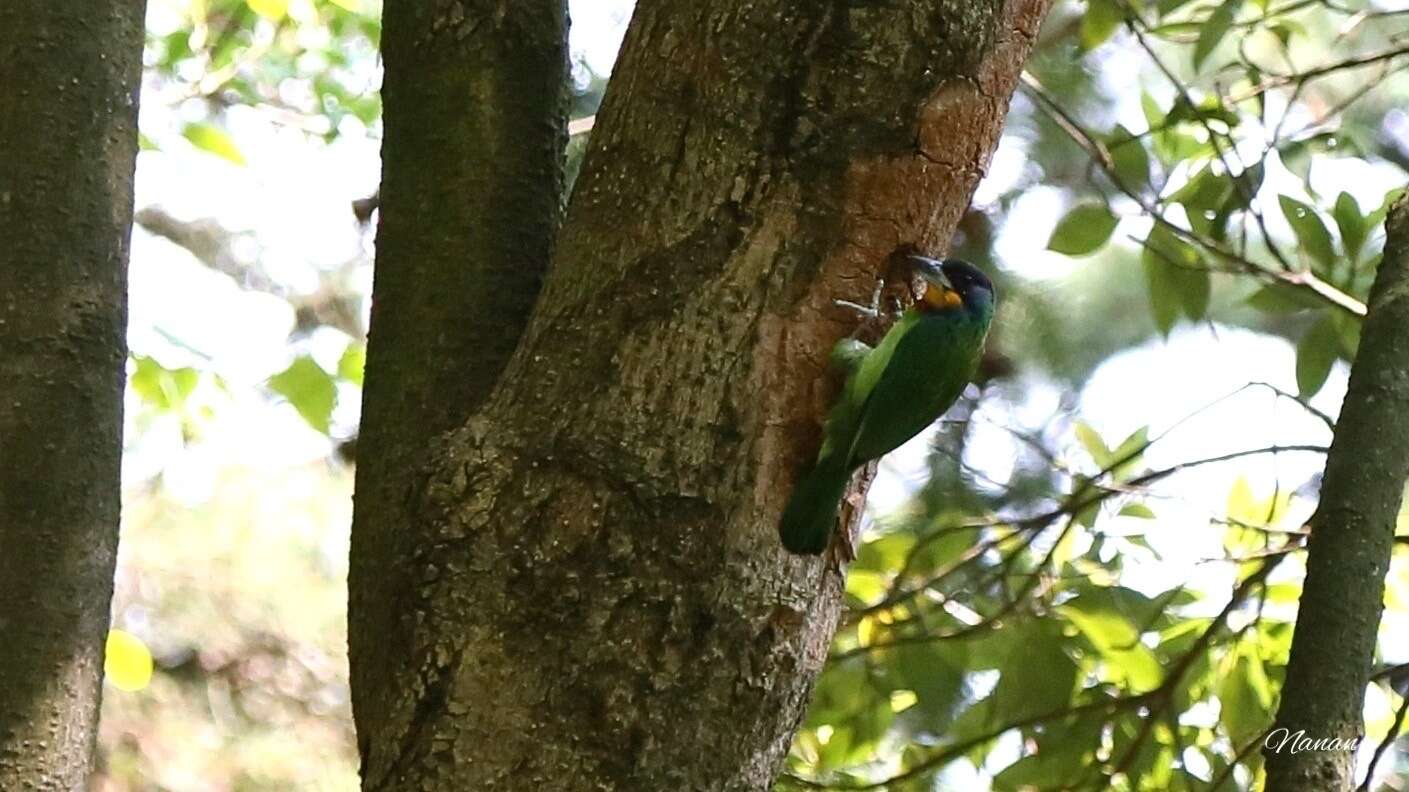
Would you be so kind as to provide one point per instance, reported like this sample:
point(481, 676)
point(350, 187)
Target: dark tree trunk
point(581, 586)
point(68, 143)
point(475, 99)
point(1352, 537)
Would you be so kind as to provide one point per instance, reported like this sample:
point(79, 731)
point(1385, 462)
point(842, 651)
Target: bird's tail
point(811, 514)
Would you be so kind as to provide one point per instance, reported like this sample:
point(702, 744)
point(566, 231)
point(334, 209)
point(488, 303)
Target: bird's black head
point(954, 282)
point(970, 281)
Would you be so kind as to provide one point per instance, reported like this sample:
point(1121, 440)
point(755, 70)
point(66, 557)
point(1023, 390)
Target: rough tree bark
point(1352, 537)
point(68, 145)
point(475, 110)
point(580, 587)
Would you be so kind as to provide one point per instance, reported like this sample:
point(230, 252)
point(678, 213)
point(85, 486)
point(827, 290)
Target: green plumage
point(891, 394)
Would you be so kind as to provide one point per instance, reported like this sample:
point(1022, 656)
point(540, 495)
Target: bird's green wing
point(845, 416)
point(924, 374)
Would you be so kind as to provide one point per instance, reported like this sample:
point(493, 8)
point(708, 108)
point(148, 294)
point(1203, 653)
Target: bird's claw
point(867, 311)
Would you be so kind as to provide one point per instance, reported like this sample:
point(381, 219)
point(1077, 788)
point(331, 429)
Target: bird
point(894, 391)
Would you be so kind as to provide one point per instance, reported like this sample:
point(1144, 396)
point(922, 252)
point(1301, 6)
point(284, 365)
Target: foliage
point(1017, 637)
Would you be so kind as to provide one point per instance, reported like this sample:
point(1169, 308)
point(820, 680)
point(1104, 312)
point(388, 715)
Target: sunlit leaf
point(273, 10)
point(309, 389)
point(162, 388)
point(1138, 510)
point(128, 663)
point(1094, 445)
point(1130, 450)
point(867, 587)
point(213, 140)
point(352, 363)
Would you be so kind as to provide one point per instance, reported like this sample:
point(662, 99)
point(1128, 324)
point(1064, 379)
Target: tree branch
point(1351, 540)
point(475, 98)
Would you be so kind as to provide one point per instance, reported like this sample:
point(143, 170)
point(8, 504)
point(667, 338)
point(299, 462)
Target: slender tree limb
point(1390, 737)
point(1351, 539)
point(333, 304)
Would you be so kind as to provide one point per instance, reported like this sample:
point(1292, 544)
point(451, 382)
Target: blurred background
point(1122, 493)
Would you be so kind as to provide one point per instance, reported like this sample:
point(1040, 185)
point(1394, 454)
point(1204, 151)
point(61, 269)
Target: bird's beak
point(939, 293)
point(931, 271)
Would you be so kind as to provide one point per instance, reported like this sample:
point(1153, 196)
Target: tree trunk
point(1352, 538)
point(581, 586)
point(68, 144)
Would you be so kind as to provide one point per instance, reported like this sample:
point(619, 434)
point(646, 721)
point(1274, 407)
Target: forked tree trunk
point(581, 586)
point(68, 142)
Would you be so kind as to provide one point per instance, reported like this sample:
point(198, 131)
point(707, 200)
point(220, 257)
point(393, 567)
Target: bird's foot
point(870, 312)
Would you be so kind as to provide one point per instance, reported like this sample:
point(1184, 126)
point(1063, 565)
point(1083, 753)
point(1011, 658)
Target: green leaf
point(352, 363)
point(127, 662)
point(163, 388)
point(1036, 675)
point(1176, 278)
point(1107, 617)
point(1084, 230)
point(1310, 231)
point(1285, 30)
point(1214, 29)
point(212, 139)
point(1132, 162)
point(1137, 510)
point(1165, 7)
point(1352, 224)
point(1094, 445)
point(1205, 191)
point(1149, 105)
point(1245, 696)
point(309, 389)
point(1210, 109)
point(1315, 354)
point(1297, 155)
point(936, 675)
point(1099, 23)
point(1348, 332)
point(1279, 299)
point(1130, 450)
point(273, 10)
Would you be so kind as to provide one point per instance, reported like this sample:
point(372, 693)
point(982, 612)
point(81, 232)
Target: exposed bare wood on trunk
point(599, 597)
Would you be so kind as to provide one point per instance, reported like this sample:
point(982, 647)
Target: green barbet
point(894, 391)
